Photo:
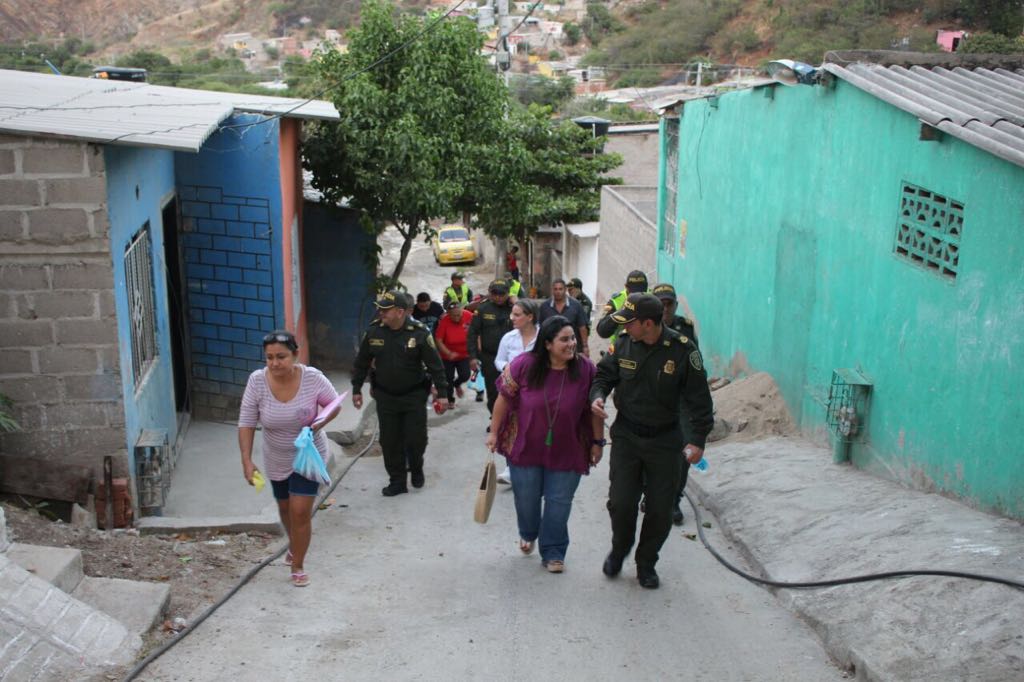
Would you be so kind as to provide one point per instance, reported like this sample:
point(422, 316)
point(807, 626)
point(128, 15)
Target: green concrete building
point(874, 222)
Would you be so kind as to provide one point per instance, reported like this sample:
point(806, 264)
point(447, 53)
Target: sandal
point(554, 566)
point(526, 546)
point(300, 579)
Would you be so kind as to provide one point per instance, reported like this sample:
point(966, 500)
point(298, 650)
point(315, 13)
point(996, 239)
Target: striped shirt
point(282, 422)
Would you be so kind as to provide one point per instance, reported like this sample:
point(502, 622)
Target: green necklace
point(549, 439)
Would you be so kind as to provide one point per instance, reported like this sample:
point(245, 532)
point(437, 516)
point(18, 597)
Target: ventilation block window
point(138, 271)
point(929, 230)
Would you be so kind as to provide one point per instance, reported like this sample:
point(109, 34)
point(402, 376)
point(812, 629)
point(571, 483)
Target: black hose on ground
point(166, 646)
point(840, 581)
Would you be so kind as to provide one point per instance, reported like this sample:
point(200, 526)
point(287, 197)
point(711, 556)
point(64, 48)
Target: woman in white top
point(523, 334)
point(516, 342)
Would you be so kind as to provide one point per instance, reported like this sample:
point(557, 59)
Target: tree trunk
point(402, 255)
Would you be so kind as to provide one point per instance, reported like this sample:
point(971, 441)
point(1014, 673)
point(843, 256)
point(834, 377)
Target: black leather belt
point(645, 430)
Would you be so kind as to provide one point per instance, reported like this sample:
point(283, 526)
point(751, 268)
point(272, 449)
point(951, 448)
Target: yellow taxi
point(453, 245)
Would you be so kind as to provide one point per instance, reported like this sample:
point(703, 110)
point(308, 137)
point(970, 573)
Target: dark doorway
point(176, 308)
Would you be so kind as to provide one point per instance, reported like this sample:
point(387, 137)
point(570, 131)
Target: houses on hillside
point(149, 238)
point(860, 239)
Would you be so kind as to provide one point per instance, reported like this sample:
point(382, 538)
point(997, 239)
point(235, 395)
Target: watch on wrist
point(600, 441)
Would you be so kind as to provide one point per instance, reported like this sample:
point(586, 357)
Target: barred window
point(668, 217)
point(929, 229)
point(138, 273)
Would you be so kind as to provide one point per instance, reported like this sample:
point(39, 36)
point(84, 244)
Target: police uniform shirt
point(398, 357)
point(653, 383)
point(684, 326)
point(490, 323)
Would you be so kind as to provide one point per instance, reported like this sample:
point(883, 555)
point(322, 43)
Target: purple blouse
point(522, 435)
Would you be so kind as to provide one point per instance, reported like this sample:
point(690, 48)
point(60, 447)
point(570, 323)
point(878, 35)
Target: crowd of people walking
point(547, 402)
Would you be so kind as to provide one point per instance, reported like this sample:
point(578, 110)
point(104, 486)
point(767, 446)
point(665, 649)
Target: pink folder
point(327, 409)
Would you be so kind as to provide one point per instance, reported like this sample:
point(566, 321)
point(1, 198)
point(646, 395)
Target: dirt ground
point(198, 568)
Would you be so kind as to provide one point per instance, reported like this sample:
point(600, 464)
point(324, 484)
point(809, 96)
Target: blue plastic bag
point(476, 383)
point(308, 462)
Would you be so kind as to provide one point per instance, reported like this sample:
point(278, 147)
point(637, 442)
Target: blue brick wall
point(231, 291)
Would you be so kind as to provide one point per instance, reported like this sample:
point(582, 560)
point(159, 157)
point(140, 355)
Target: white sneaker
point(505, 477)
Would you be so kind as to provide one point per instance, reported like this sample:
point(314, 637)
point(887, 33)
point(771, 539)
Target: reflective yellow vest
point(514, 288)
point(462, 297)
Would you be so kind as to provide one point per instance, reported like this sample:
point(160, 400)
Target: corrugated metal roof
point(134, 114)
point(981, 106)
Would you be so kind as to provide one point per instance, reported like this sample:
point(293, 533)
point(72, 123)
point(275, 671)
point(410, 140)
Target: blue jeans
point(550, 524)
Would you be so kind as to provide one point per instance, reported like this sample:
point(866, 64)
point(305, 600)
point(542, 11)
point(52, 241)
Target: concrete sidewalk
point(207, 489)
point(799, 517)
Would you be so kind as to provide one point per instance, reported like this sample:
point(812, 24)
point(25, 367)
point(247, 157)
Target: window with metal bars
point(669, 231)
point(929, 229)
point(138, 271)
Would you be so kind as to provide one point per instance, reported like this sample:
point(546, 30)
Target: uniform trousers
point(403, 432)
point(490, 377)
point(643, 465)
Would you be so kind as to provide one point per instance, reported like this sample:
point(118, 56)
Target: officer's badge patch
point(627, 363)
point(696, 360)
point(412, 343)
point(670, 367)
point(376, 342)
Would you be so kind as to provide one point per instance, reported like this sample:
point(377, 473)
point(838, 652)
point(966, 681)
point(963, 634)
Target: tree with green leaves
point(553, 175)
point(422, 119)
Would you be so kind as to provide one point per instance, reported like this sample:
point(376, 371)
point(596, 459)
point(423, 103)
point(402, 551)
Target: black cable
point(166, 646)
point(867, 577)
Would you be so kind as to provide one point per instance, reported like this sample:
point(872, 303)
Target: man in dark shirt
point(485, 331)
point(427, 312)
point(576, 291)
point(569, 308)
point(656, 376)
point(403, 353)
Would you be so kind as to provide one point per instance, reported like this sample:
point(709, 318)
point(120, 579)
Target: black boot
point(394, 488)
point(612, 564)
point(647, 577)
point(417, 478)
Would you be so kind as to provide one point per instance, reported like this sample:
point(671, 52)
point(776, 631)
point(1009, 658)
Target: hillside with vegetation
point(647, 41)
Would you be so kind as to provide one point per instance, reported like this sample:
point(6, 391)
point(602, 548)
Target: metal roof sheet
point(981, 106)
point(134, 114)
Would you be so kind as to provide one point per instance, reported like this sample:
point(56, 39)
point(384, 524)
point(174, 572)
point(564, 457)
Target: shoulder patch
point(696, 360)
point(430, 341)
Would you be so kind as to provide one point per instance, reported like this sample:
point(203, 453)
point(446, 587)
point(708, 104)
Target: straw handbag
point(485, 493)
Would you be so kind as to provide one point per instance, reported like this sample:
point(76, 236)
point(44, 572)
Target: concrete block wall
point(629, 238)
point(229, 275)
point(58, 332)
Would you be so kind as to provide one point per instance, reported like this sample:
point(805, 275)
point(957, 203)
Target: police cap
point(643, 306)
point(390, 299)
point(665, 292)
point(636, 282)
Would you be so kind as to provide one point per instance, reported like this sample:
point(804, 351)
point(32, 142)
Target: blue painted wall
point(337, 284)
point(792, 203)
point(231, 223)
point(139, 181)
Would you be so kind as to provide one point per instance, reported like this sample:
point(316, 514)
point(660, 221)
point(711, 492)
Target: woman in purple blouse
point(543, 424)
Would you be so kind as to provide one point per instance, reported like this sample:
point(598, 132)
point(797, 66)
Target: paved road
point(412, 589)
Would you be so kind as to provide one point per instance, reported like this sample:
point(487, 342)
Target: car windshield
point(459, 235)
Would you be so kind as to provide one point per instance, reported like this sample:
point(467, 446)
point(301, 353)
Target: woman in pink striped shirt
point(283, 397)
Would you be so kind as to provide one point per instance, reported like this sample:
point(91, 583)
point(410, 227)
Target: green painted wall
point(791, 203)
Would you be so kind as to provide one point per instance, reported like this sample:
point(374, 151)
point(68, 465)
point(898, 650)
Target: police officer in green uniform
point(666, 293)
point(656, 375)
point(607, 328)
point(458, 291)
point(490, 323)
point(402, 352)
point(576, 291)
